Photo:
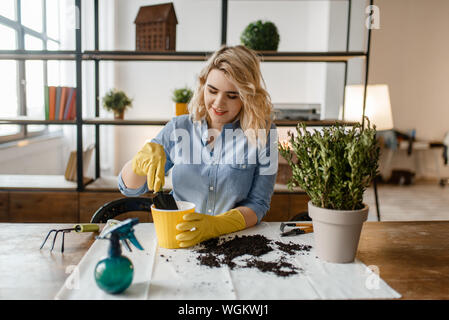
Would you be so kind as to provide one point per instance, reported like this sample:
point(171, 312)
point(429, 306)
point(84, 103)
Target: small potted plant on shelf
point(334, 167)
point(260, 35)
point(181, 97)
point(117, 101)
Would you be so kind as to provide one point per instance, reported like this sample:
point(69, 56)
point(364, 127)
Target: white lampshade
point(378, 107)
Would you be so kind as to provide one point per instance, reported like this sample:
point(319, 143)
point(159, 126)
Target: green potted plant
point(260, 35)
point(334, 167)
point(181, 97)
point(116, 101)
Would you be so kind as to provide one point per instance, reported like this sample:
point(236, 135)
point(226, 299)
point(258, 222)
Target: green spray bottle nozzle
point(123, 231)
point(115, 273)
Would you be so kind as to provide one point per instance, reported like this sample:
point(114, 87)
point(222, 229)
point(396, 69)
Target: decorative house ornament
point(156, 28)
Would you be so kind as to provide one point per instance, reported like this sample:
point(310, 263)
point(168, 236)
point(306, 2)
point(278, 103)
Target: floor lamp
point(377, 109)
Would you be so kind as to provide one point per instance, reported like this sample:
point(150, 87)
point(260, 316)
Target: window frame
point(21, 30)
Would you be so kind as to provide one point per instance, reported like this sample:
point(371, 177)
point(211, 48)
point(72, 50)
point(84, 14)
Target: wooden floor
point(422, 201)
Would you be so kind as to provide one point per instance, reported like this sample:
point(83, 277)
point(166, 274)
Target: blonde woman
point(223, 154)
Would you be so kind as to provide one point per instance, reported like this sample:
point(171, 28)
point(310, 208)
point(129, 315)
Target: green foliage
point(260, 36)
point(182, 95)
point(335, 166)
point(116, 101)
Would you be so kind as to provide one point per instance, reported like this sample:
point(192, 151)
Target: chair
point(114, 208)
point(445, 181)
point(302, 216)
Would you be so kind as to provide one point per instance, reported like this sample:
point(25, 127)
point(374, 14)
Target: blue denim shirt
point(231, 173)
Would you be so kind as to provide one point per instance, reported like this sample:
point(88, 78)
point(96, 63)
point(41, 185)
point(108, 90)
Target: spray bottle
point(114, 274)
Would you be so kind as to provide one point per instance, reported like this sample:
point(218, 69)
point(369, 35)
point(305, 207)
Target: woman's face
point(222, 99)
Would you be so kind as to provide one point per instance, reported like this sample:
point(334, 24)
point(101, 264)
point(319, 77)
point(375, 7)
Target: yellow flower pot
point(181, 108)
point(165, 222)
point(119, 115)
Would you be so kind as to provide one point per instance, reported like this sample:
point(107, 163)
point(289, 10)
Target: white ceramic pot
point(337, 232)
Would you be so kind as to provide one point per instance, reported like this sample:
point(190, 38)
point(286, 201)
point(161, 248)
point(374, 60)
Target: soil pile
point(292, 248)
point(222, 251)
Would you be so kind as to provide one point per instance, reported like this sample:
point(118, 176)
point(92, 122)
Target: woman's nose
point(219, 101)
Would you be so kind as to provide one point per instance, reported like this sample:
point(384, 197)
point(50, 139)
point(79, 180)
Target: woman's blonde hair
point(242, 67)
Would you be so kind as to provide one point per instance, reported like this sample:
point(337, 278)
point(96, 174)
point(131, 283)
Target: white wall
point(335, 72)
point(49, 156)
point(409, 53)
point(303, 26)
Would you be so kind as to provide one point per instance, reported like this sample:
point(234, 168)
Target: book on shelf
point(71, 169)
point(68, 102)
point(72, 108)
point(58, 102)
point(51, 102)
point(61, 103)
point(46, 102)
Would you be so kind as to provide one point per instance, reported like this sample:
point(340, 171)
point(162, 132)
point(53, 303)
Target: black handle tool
point(164, 201)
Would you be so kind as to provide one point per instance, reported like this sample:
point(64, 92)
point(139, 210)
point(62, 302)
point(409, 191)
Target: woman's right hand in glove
point(150, 162)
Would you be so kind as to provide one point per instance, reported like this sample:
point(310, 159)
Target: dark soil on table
point(280, 268)
point(217, 252)
point(292, 248)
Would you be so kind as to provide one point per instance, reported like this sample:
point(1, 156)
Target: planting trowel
point(164, 201)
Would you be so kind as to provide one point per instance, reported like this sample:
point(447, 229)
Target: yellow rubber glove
point(207, 227)
point(150, 162)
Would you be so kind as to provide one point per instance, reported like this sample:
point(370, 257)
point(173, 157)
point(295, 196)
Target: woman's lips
point(219, 113)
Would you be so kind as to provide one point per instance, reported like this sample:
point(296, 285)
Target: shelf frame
point(97, 55)
point(266, 56)
point(37, 55)
point(97, 92)
point(78, 56)
point(127, 122)
point(26, 120)
point(79, 99)
point(161, 122)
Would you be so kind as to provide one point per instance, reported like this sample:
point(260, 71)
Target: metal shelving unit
point(37, 55)
point(28, 120)
point(266, 56)
point(78, 56)
point(97, 55)
point(153, 122)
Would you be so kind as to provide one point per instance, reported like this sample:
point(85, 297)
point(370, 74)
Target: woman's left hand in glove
point(207, 226)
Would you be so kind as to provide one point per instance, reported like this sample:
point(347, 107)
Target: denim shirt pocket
point(241, 176)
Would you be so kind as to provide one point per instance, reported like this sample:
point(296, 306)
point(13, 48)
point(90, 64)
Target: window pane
point(7, 9)
point(54, 128)
point(7, 38)
point(35, 128)
point(51, 45)
point(8, 88)
point(35, 89)
point(32, 14)
point(33, 43)
point(53, 73)
point(61, 73)
point(9, 129)
point(53, 19)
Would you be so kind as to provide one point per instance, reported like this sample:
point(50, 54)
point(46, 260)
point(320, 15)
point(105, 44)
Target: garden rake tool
point(303, 228)
point(87, 227)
